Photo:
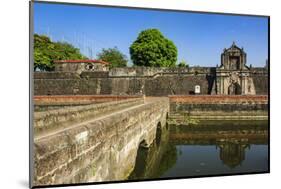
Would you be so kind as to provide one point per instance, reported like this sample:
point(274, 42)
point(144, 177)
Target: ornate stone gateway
point(233, 76)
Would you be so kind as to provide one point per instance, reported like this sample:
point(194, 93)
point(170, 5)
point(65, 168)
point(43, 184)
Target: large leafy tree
point(113, 56)
point(46, 51)
point(151, 48)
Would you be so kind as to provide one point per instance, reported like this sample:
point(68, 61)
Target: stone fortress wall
point(137, 81)
point(232, 77)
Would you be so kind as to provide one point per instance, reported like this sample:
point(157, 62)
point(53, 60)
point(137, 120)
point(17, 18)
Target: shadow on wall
point(158, 134)
point(211, 79)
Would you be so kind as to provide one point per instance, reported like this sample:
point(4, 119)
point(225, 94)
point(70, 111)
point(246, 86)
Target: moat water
point(205, 149)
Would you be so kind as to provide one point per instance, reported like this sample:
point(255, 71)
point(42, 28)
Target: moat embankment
point(219, 107)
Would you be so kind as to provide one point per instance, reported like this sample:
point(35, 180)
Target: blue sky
point(200, 38)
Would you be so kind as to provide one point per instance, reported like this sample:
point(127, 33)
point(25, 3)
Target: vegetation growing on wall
point(46, 51)
point(151, 48)
point(183, 64)
point(114, 56)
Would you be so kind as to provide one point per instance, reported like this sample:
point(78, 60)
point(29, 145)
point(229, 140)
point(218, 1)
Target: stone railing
point(58, 118)
point(78, 99)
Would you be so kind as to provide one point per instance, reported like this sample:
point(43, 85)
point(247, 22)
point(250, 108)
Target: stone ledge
point(76, 99)
point(53, 119)
point(202, 99)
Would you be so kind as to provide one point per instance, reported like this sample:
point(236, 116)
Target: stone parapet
point(46, 121)
point(79, 99)
point(55, 75)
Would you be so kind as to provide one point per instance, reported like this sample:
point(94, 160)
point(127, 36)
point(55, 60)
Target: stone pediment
point(234, 49)
point(233, 58)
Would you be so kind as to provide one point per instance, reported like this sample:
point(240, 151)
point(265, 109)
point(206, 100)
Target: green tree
point(151, 48)
point(46, 51)
point(113, 56)
point(42, 52)
point(182, 64)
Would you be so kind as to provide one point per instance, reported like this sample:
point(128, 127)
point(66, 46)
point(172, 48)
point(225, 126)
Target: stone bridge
point(94, 142)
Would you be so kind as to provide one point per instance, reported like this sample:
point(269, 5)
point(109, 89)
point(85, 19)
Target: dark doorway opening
point(234, 89)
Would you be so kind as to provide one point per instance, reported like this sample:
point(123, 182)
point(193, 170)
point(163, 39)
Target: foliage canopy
point(46, 51)
point(113, 56)
point(151, 48)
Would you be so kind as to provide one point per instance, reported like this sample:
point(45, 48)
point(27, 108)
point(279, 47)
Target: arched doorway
point(234, 89)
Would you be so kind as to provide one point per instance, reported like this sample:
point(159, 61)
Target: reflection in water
point(232, 153)
point(209, 148)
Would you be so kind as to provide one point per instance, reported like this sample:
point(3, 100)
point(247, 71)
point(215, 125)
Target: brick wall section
point(55, 75)
point(261, 84)
point(94, 74)
point(167, 85)
point(219, 106)
point(215, 99)
point(260, 79)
